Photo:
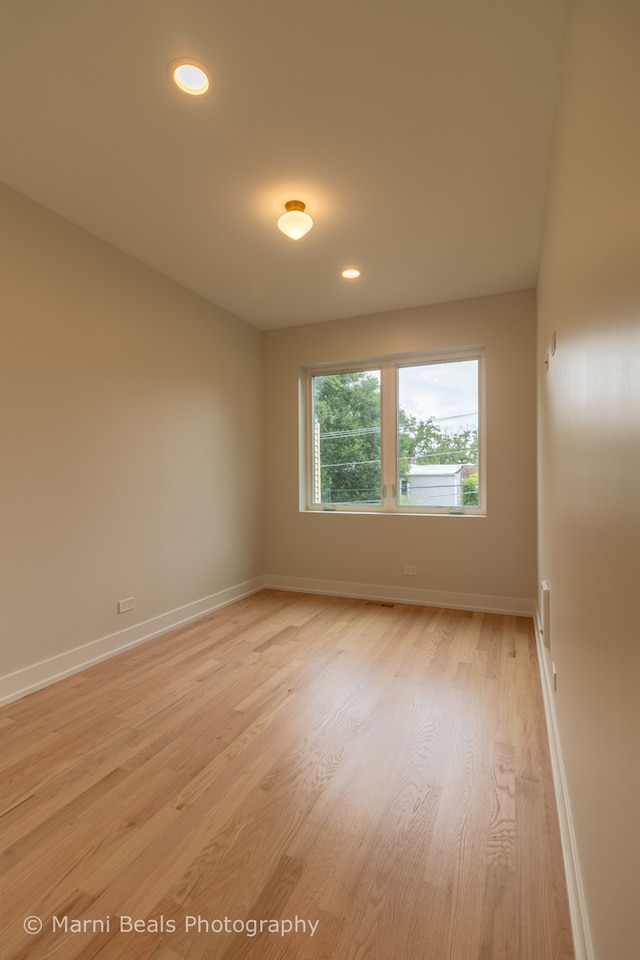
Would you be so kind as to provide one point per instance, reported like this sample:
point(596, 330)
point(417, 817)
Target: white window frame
point(388, 367)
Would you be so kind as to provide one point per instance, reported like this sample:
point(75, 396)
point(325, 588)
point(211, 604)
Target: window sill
point(401, 512)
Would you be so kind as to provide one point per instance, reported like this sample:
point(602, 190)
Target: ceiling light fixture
point(190, 78)
point(352, 273)
point(295, 222)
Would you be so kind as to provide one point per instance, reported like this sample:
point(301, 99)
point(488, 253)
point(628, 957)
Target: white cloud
point(447, 391)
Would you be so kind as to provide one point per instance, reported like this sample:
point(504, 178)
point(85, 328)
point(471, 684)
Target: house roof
point(434, 469)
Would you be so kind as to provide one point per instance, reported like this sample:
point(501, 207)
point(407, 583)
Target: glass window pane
point(438, 434)
point(346, 438)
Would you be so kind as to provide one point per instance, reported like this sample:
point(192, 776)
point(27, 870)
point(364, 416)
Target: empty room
point(320, 449)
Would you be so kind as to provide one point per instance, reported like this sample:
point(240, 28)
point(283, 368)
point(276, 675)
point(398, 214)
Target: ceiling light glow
point(295, 222)
point(351, 273)
point(191, 78)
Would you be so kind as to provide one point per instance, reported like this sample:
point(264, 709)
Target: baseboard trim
point(582, 943)
point(430, 598)
point(13, 686)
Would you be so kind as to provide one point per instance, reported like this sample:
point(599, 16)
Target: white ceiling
point(416, 131)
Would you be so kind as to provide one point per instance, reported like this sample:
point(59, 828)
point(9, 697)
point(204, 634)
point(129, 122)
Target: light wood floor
point(378, 772)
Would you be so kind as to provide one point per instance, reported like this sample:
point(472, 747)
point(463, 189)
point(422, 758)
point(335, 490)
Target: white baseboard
point(31, 678)
point(582, 943)
point(19, 684)
point(430, 598)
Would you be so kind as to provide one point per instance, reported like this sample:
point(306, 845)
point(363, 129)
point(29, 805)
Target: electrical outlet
point(410, 571)
point(125, 605)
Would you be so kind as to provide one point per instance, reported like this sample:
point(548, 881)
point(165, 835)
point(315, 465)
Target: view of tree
point(347, 416)
point(347, 441)
point(424, 442)
point(470, 490)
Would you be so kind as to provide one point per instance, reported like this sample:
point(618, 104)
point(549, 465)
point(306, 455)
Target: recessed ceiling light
point(352, 273)
point(190, 77)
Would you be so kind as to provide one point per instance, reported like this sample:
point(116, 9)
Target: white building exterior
point(435, 485)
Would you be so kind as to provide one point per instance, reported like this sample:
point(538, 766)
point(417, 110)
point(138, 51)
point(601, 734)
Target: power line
point(349, 433)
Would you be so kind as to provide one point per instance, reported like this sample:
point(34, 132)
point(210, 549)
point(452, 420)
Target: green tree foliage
point(347, 416)
point(347, 411)
point(424, 442)
point(470, 490)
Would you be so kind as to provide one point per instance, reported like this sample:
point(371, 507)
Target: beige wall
point(489, 561)
point(131, 440)
point(589, 456)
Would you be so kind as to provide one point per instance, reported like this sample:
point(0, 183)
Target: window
point(401, 435)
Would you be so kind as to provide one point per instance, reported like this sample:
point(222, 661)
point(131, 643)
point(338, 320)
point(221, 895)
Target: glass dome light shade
point(295, 222)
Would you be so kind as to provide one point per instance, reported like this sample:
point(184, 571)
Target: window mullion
point(389, 435)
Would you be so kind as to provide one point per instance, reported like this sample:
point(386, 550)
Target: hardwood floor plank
point(376, 773)
point(500, 849)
